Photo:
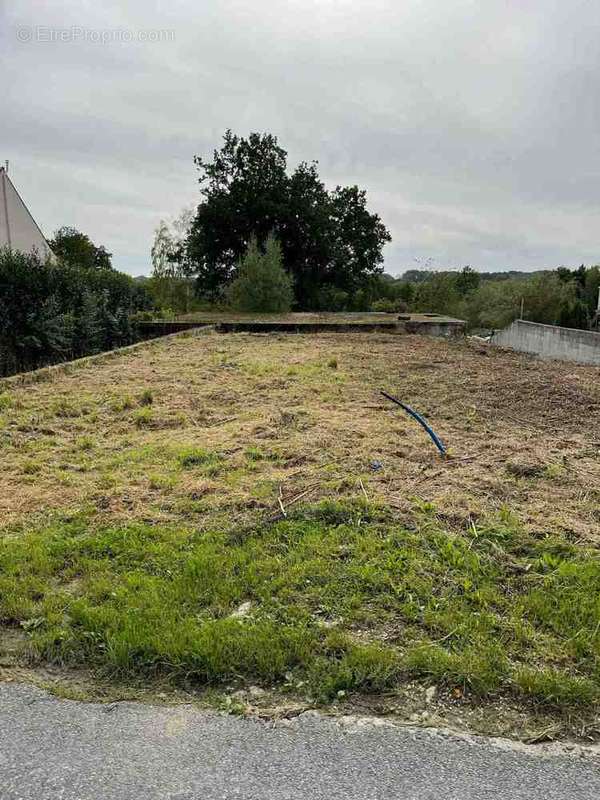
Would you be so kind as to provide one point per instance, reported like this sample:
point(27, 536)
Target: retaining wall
point(550, 341)
point(152, 330)
point(434, 326)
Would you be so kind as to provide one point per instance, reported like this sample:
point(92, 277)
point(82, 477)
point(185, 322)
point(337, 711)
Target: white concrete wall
point(549, 341)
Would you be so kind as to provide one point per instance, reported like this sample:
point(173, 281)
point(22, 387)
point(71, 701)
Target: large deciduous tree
point(331, 244)
point(76, 249)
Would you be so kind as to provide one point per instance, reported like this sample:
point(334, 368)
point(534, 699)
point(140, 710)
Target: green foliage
point(51, 312)
point(75, 249)
point(497, 303)
point(31, 467)
point(574, 314)
point(389, 306)
point(257, 454)
point(562, 297)
point(261, 284)
point(440, 294)
point(173, 295)
point(554, 688)
point(171, 285)
point(330, 298)
point(467, 281)
point(331, 244)
point(122, 403)
point(591, 289)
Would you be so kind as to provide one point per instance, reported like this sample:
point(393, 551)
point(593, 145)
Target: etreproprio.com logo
point(77, 33)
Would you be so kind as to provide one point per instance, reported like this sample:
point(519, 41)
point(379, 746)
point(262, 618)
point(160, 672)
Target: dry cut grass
point(284, 414)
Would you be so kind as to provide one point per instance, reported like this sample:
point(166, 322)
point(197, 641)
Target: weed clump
point(123, 404)
point(208, 462)
point(6, 401)
point(63, 408)
point(146, 397)
point(258, 454)
point(143, 417)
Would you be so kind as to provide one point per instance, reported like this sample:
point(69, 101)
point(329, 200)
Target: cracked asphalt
point(52, 748)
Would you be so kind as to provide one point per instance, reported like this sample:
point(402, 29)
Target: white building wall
point(18, 229)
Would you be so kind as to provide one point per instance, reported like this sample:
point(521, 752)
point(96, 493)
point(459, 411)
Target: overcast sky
point(474, 125)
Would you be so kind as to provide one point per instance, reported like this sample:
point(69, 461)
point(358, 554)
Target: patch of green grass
point(143, 417)
point(481, 667)
point(265, 490)
point(31, 466)
point(207, 461)
point(255, 369)
point(258, 454)
point(554, 471)
point(555, 688)
point(161, 481)
point(493, 610)
point(122, 403)
point(66, 409)
point(6, 401)
point(315, 373)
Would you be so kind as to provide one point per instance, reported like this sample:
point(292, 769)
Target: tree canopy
point(170, 284)
point(76, 249)
point(331, 243)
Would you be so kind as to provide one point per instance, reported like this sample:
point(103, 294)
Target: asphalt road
point(51, 748)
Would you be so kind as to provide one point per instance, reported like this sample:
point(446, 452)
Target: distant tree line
point(72, 305)
point(556, 297)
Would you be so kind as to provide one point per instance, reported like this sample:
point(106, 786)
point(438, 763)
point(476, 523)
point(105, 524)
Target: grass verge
point(337, 598)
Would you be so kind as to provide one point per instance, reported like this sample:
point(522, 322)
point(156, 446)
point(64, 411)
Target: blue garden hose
point(415, 415)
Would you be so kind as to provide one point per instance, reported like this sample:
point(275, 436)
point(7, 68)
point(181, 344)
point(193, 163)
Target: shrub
point(143, 316)
point(331, 298)
point(52, 312)
point(390, 306)
point(262, 284)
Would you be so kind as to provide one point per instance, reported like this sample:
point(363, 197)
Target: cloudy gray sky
point(473, 124)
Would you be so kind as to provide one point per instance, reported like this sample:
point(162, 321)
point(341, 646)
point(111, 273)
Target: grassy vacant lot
point(236, 509)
